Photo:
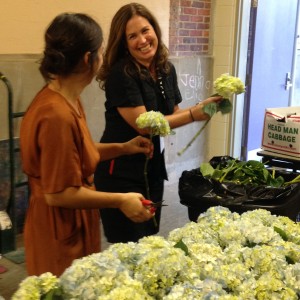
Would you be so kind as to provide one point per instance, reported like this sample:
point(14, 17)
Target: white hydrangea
point(155, 121)
point(34, 287)
point(227, 85)
point(228, 256)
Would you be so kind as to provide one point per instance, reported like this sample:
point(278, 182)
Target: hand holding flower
point(225, 87)
point(139, 144)
point(198, 112)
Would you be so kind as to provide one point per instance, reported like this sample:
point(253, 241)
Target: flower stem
point(146, 178)
point(193, 139)
point(147, 182)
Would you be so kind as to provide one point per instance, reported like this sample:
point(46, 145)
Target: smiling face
point(141, 40)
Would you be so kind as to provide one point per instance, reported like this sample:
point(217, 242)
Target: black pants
point(117, 227)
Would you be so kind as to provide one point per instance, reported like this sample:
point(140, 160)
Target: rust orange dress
point(57, 152)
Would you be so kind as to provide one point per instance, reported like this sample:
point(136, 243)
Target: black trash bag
point(221, 161)
point(196, 190)
point(271, 195)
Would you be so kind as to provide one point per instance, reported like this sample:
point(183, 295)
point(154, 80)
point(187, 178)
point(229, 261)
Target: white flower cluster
point(227, 85)
point(155, 121)
point(254, 255)
point(34, 287)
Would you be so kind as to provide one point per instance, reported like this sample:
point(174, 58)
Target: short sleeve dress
point(57, 152)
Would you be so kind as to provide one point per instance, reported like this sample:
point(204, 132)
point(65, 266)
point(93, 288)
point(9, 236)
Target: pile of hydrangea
point(224, 255)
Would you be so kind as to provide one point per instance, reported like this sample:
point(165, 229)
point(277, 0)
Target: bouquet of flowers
point(225, 86)
point(224, 255)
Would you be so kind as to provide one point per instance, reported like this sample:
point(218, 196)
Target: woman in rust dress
point(59, 156)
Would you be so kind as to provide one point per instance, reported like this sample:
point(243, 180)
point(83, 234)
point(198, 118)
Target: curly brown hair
point(117, 46)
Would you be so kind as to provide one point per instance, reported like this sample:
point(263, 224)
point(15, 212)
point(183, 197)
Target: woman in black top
point(137, 77)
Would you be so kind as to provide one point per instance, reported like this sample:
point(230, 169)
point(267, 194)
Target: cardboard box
point(281, 132)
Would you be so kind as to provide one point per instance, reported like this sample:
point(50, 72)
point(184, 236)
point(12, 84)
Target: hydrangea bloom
point(227, 85)
point(230, 256)
point(35, 287)
point(155, 121)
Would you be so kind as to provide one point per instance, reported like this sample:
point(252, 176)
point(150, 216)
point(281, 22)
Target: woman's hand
point(139, 144)
point(197, 110)
point(133, 208)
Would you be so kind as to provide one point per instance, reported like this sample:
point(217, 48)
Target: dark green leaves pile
point(242, 172)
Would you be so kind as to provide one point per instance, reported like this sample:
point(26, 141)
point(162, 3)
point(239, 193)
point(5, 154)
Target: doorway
point(273, 67)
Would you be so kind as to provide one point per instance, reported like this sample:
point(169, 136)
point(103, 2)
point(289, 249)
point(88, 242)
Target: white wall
point(225, 51)
point(22, 25)
point(22, 22)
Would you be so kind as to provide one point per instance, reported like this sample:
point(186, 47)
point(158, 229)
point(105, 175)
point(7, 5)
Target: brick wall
point(189, 27)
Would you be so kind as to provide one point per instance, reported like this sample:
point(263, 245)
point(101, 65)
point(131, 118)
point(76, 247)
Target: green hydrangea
point(36, 287)
point(227, 85)
point(155, 121)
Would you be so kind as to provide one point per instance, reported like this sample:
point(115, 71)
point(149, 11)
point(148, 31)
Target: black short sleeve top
point(123, 90)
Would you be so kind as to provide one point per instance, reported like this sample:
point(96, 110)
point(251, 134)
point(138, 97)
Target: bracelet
point(192, 115)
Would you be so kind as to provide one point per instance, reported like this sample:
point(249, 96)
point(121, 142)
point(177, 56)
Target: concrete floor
point(174, 215)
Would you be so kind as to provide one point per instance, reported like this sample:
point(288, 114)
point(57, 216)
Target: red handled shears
point(152, 207)
point(153, 204)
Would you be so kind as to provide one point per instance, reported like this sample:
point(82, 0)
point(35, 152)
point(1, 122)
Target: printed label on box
point(281, 131)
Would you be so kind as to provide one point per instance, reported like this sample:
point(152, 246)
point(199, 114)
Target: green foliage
point(224, 106)
point(289, 260)
point(295, 180)
point(281, 233)
point(54, 294)
point(210, 108)
point(242, 172)
point(181, 245)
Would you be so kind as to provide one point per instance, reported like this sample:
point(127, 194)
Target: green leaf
point(250, 244)
point(181, 245)
point(276, 182)
point(55, 294)
point(206, 169)
point(295, 180)
point(266, 175)
point(217, 174)
point(224, 106)
point(210, 109)
point(289, 260)
point(281, 233)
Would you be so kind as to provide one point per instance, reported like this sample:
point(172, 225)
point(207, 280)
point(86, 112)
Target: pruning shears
point(153, 205)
